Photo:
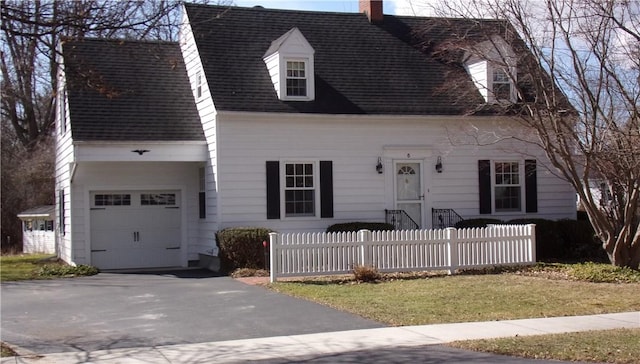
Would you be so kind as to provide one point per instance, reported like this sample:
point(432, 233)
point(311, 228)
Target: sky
point(391, 7)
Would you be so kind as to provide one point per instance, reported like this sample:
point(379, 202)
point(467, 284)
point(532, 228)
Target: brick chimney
point(373, 9)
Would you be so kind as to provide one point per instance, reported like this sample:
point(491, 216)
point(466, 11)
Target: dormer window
point(289, 61)
point(492, 67)
point(296, 78)
point(501, 86)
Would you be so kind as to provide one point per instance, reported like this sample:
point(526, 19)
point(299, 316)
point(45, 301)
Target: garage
point(135, 229)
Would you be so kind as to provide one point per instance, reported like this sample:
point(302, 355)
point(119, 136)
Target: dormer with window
point(289, 61)
point(492, 67)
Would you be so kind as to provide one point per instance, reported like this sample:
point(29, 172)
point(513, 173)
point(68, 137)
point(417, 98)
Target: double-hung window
point(299, 189)
point(296, 79)
point(501, 85)
point(507, 186)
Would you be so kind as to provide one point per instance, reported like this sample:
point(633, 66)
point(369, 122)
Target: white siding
point(479, 74)
point(64, 165)
point(354, 143)
point(135, 176)
point(38, 241)
point(206, 227)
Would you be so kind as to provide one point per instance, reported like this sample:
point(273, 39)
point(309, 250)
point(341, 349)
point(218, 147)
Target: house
point(38, 230)
point(291, 120)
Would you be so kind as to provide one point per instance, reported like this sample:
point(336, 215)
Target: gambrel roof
point(360, 67)
point(126, 90)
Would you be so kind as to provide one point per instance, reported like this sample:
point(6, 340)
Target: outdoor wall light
point(379, 165)
point(439, 164)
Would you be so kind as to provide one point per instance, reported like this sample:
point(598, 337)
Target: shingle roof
point(123, 90)
point(39, 211)
point(360, 68)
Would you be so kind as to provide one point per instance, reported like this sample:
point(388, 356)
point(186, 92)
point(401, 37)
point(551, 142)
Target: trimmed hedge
point(241, 247)
point(357, 226)
point(562, 240)
point(474, 223)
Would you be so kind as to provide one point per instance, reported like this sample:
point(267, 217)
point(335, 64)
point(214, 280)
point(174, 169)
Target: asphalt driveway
point(118, 310)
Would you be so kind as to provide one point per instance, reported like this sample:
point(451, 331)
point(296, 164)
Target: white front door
point(409, 191)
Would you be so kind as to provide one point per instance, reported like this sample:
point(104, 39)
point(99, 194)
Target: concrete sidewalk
point(336, 345)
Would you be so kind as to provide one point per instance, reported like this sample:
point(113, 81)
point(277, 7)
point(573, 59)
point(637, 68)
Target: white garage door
point(135, 229)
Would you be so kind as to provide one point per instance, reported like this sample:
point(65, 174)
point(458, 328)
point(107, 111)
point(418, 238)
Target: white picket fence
point(314, 254)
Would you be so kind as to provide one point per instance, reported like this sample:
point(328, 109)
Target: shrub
point(357, 226)
point(603, 273)
point(580, 241)
point(474, 223)
point(249, 272)
point(63, 270)
point(241, 247)
point(549, 242)
point(366, 273)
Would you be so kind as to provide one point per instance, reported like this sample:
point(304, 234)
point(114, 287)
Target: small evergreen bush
point(241, 247)
point(549, 242)
point(63, 270)
point(580, 241)
point(357, 226)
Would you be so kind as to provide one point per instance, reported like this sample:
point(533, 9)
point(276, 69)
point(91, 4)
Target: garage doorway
point(135, 229)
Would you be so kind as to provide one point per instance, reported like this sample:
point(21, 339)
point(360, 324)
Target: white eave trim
point(153, 151)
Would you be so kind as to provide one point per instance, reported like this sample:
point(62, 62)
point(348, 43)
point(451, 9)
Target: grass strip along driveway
point(540, 291)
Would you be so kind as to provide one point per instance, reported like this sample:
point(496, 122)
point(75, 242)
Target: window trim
point(520, 185)
point(308, 77)
point(284, 189)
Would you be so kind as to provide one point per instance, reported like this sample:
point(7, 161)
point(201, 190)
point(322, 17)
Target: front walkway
point(383, 344)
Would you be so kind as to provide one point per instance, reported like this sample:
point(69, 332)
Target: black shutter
point(202, 205)
point(484, 183)
point(273, 190)
point(530, 186)
point(326, 189)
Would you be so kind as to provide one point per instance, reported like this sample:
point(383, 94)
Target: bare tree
point(578, 88)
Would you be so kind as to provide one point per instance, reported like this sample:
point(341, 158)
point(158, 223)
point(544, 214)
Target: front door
point(409, 191)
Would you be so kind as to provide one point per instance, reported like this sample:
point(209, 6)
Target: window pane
point(507, 198)
point(299, 193)
point(158, 199)
point(296, 87)
point(112, 200)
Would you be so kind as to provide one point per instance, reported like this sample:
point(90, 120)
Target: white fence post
point(532, 245)
point(452, 245)
point(364, 238)
point(273, 261)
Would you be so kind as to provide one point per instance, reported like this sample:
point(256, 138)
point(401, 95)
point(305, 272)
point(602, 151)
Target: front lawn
point(466, 298)
point(38, 266)
point(541, 291)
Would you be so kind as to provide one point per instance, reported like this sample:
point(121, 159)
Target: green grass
point(38, 266)
point(545, 290)
point(469, 298)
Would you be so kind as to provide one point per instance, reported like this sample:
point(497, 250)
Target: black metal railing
point(400, 220)
point(444, 218)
